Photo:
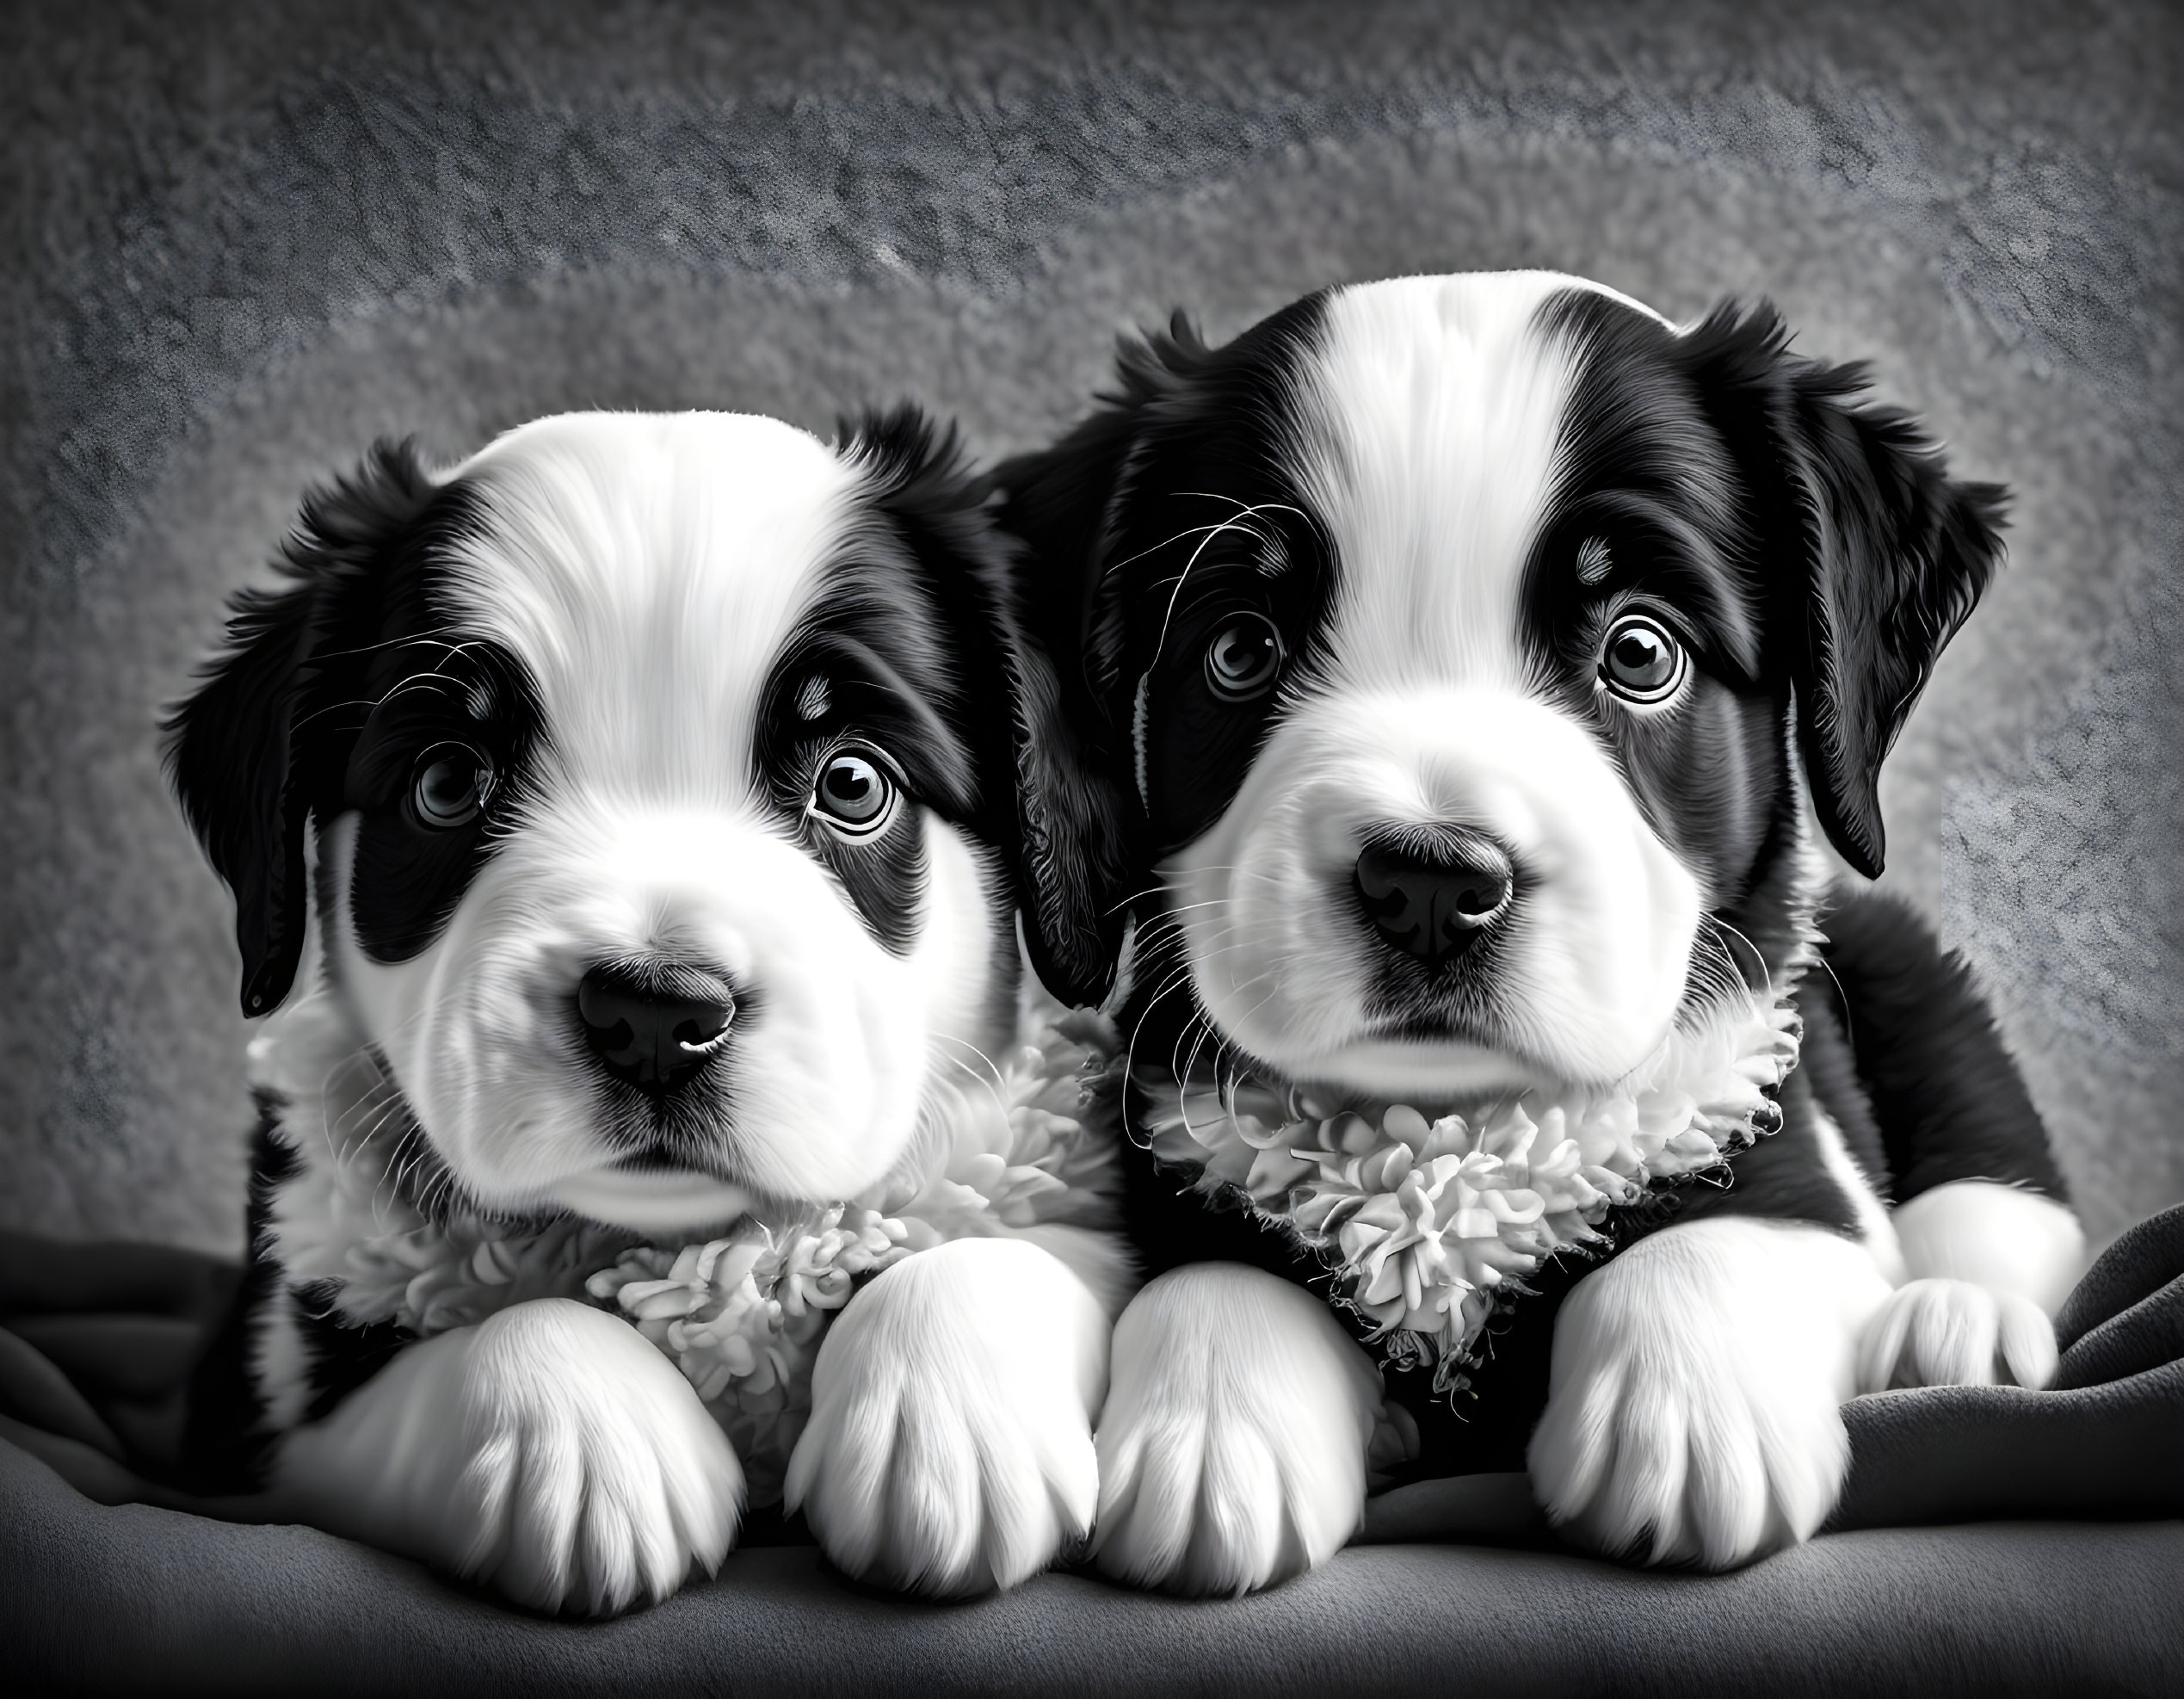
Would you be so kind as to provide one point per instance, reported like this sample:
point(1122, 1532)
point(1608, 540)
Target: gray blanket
point(243, 239)
point(97, 1589)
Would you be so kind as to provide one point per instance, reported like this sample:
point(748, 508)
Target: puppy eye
point(853, 795)
point(1242, 658)
point(1641, 662)
point(452, 784)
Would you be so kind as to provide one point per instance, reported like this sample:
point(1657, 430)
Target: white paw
point(950, 1450)
point(550, 1453)
point(1694, 1415)
point(1996, 1236)
point(1233, 1446)
point(1941, 1333)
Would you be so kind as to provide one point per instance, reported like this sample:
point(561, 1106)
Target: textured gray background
point(240, 241)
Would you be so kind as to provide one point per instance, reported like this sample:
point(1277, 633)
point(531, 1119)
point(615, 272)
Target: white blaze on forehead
point(647, 569)
point(1430, 417)
point(1429, 422)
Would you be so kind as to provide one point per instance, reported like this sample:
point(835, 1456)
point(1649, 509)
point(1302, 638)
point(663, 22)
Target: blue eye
point(853, 795)
point(452, 784)
point(1640, 662)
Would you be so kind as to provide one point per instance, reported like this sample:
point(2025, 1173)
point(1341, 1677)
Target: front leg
point(1693, 1408)
point(1234, 1446)
point(549, 1452)
point(949, 1448)
point(1987, 1265)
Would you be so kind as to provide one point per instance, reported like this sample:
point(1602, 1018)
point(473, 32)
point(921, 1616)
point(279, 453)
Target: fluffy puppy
point(1443, 676)
point(612, 826)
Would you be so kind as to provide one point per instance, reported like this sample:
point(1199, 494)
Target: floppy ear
point(1083, 859)
point(236, 751)
point(1886, 555)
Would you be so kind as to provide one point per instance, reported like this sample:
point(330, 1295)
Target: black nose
point(654, 1029)
point(1432, 894)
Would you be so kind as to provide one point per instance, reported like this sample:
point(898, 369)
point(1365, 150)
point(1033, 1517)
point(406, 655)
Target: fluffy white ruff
point(547, 1452)
point(950, 1450)
point(1988, 1266)
point(740, 1314)
point(1694, 1414)
point(1431, 1222)
point(1235, 1445)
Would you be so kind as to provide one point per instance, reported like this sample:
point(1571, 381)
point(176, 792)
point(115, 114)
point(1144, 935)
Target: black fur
point(223, 1442)
point(336, 686)
point(1808, 550)
point(1948, 1101)
point(251, 753)
point(1146, 491)
point(921, 593)
point(1890, 554)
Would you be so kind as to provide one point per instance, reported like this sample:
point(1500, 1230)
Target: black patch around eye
point(1651, 503)
point(883, 866)
point(862, 738)
point(432, 778)
point(1208, 707)
point(853, 784)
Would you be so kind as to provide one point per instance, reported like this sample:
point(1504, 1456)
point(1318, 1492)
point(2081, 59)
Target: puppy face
point(1432, 664)
point(645, 758)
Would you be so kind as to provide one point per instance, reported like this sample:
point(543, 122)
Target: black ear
point(1082, 860)
point(233, 751)
point(1882, 555)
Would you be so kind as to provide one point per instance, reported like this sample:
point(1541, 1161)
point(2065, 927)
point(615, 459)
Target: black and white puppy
point(1442, 671)
point(612, 821)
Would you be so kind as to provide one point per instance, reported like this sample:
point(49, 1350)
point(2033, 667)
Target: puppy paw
point(1234, 1444)
point(1694, 1415)
point(1943, 1332)
point(550, 1453)
point(949, 1448)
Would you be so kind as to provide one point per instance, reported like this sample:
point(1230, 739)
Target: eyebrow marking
point(813, 698)
point(1245, 520)
point(1592, 562)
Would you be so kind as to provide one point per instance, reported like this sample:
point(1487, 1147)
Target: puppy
point(1440, 675)
point(611, 823)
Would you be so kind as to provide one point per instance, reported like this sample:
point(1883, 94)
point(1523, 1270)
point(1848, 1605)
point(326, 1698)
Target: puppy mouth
point(653, 1191)
point(1443, 1025)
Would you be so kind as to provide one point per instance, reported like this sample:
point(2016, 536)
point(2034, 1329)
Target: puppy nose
point(654, 1029)
point(1431, 893)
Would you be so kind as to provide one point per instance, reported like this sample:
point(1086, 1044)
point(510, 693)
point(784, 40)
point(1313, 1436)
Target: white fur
point(647, 571)
point(1596, 957)
point(950, 1450)
point(549, 1452)
point(279, 1368)
point(1987, 1266)
point(1427, 441)
point(1693, 1414)
point(1876, 1225)
point(1696, 1378)
point(1944, 1332)
point(1233, 1446)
